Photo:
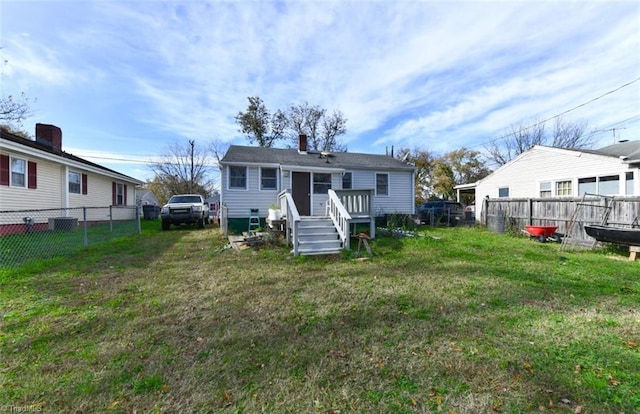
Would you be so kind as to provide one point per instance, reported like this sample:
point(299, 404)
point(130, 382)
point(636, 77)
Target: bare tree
point(305, 119)
point(521, 138)
point(259, 125)
point(332, 126)
point(14, 110)
point(183, 168)
point(518, 140)
point(321, 129)
point(218, 149)
point(570, 135)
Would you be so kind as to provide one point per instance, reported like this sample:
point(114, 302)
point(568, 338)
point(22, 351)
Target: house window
point(503, 192)
point(347, 181)
point(120, 194)
point(12, 172)
point(382, 184)
point(587, 185)
point(545, 189)
point(75, 185)
point(321, 183)
point(18, 172)
point(238, 177)
point(629, 183)
point(609, 185)
point(268, 179)
point(563, 188)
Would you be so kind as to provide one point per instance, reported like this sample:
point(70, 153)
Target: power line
point(563, 113)
point(97, 157)
point(137, 161)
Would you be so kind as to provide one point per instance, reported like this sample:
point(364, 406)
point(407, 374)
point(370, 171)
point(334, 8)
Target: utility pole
point(192, 142)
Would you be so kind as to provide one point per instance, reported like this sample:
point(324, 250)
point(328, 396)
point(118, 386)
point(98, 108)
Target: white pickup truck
point(184, 208)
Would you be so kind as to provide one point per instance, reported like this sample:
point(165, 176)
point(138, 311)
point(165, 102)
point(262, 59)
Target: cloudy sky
point(124, 79)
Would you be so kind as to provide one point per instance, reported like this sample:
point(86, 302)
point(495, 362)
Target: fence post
point(110, 219)
point(485, 211)
point(530, 212)
point(138, 220)
point(84, 226)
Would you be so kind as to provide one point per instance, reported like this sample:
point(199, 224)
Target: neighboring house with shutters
point(40, 175)
point(253, 178)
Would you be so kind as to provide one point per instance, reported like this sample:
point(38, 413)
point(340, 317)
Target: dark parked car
point(440, 211)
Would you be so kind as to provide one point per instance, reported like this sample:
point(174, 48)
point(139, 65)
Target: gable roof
point(39, 147)
point(311, 159)
point(629, 150)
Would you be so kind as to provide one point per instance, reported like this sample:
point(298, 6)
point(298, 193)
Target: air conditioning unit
point(63, 223)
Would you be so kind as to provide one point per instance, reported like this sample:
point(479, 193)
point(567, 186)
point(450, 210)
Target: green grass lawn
point(21, 248)
point(456, 321)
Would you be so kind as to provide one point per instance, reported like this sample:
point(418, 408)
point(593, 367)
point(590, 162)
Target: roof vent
point(326, 155)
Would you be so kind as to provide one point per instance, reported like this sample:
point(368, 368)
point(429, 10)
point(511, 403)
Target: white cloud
point(420, 73)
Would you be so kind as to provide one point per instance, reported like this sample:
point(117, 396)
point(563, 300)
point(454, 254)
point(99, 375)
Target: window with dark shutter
point(114, 194)
point(84, 184)
point(125, 194)
point(4, 170)
point(32, 172)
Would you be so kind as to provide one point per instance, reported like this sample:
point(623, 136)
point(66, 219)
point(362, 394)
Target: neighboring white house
point(146, 197)
point(553, 172)
point(214, 206)
point(36, 175)
point(252, 178)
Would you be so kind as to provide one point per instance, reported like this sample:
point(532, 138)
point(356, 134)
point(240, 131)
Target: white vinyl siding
point(543, 164)
point(400, 199)
point(47, 195)
point(52, 190)
point(240, 201)
point(400, 188)
point(99, 193)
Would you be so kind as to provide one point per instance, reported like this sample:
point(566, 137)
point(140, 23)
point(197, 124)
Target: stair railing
point(292, 218)
point(340, 217)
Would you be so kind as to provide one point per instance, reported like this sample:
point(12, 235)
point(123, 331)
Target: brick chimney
point(49, 135)
point(302, 144)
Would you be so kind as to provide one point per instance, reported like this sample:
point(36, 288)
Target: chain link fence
point(28, 235)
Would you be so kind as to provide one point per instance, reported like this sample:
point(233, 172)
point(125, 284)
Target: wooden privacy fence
point(568, 214)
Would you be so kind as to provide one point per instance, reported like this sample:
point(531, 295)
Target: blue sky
point(124, 79)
